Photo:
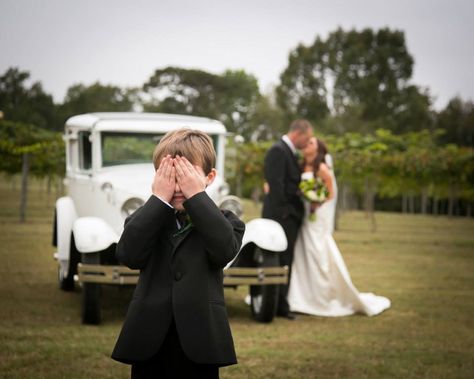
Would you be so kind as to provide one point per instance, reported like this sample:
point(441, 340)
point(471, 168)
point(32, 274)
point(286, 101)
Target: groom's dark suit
point(283, 203)
point(180, 281)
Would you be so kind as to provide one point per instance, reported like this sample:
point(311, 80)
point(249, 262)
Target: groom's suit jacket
point(283, 175)
point(181, 278)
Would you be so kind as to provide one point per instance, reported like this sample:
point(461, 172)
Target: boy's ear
point(211, 176)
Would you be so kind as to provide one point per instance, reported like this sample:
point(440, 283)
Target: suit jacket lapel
point(178, 237)
point(290, 154)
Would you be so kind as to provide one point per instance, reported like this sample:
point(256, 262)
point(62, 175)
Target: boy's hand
point(165, 179)
point(191, 179)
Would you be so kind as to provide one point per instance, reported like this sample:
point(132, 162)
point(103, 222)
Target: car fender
point(264, 233)
point(92, 234)
point(66, 215)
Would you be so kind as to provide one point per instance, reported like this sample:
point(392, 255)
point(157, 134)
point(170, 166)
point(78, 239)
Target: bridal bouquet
point(314, 190)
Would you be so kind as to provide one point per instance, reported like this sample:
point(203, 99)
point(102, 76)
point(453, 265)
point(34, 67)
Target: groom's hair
point(194, 145)
point(300, 125)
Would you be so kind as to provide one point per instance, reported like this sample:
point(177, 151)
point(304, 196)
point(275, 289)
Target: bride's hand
point(314, 205)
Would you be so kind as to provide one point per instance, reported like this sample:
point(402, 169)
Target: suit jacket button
point(178, 275)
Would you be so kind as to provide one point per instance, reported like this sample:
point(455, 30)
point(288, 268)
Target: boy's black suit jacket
point(180, 277)
point(283, 174)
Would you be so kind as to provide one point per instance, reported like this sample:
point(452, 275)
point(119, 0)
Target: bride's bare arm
point(325, 175)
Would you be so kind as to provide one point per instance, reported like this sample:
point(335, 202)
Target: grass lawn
point(425, 265)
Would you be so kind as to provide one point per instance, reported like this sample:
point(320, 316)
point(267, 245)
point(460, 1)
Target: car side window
point(85, 151)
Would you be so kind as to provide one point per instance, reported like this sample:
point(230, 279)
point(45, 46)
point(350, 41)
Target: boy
point(176, 325)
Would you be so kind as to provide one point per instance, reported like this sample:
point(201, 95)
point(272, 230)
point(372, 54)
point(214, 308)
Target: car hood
point(134, 180)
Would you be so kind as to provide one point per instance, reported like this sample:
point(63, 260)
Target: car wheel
point(91, 294)
point(264, 298)
point(66, 282)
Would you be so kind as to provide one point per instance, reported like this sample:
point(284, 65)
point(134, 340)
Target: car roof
point(142, 122)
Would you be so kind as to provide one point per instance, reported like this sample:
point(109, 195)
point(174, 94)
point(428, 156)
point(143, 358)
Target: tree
point(370, 69)
point(237, 100)
point(364, 73)
point(457, 119)
point(303, 92)
point(96, 98)
point(230, 97)
point(21, 103)
point(412, 111)
point(267, 122)
point(18, 144)
point(177, 90)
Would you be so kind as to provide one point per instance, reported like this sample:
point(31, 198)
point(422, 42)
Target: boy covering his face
point(176, 325)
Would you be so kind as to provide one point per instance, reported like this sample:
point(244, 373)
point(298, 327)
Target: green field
point(425, 265)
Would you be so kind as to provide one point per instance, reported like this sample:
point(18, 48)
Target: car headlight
point(131, 205)
point(232, 203)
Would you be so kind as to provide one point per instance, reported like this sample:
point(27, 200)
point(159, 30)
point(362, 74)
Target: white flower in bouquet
point(313, 190)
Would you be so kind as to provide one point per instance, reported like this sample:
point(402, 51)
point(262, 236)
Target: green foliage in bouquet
point(315, 191)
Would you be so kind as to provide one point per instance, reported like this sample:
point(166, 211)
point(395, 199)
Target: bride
point(320, 282)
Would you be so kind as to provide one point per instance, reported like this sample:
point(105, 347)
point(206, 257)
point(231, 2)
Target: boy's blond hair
point(194, 145)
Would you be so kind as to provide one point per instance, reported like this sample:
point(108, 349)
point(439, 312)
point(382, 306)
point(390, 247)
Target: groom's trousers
point(291, 226)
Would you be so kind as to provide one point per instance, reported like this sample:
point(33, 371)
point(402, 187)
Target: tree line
point(354, 86)
point(409, 172)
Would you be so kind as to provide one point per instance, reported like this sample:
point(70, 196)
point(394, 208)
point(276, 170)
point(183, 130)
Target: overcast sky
point(122, 42)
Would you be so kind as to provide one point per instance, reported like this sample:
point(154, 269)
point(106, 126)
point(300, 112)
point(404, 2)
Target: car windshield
point(128, 148)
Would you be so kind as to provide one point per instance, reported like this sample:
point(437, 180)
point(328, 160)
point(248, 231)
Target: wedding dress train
point(320, 282)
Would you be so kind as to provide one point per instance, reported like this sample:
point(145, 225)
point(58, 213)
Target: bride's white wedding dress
point(320, 282)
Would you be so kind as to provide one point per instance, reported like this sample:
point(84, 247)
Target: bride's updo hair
point(321, 155)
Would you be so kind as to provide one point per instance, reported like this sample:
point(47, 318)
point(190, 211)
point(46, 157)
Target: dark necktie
point(182, 219)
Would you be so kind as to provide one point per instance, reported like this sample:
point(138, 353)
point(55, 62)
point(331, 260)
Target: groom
point(282, 202)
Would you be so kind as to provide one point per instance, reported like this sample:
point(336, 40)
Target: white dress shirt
point(287, 140)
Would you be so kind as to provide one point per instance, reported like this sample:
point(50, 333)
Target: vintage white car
point(108, 176)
